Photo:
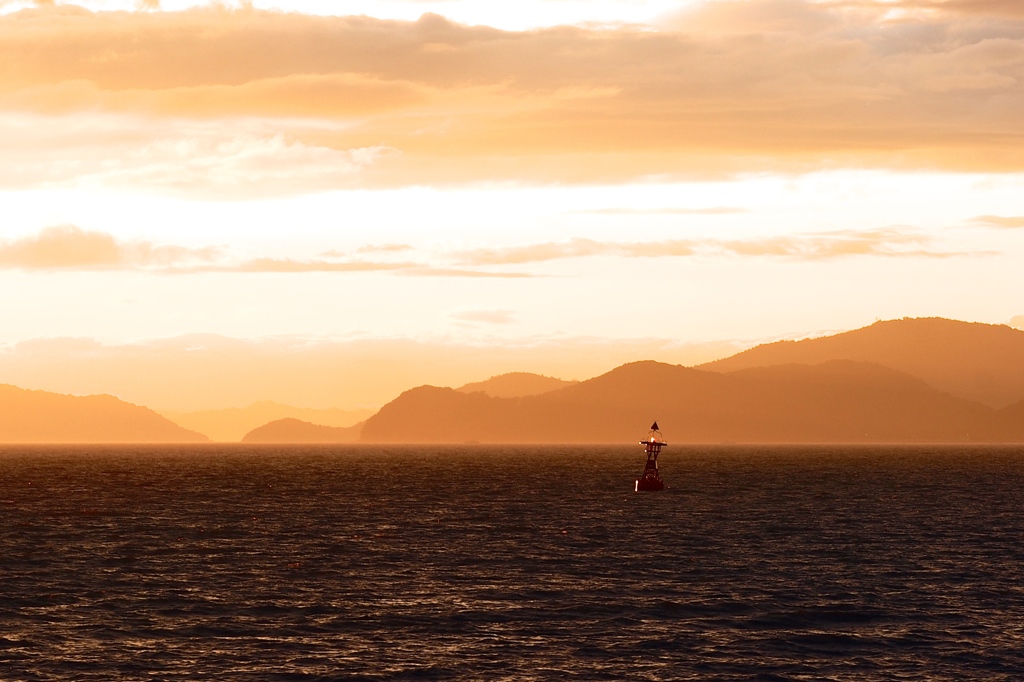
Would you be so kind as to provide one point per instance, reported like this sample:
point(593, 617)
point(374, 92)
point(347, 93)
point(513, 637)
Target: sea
point(230, 562)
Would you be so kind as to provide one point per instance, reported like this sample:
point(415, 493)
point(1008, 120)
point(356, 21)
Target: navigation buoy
point(650, 479)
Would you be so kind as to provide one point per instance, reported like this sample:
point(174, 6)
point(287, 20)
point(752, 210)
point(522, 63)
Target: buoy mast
point(651, 479)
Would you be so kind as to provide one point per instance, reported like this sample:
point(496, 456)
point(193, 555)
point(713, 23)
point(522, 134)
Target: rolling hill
point(291, 430)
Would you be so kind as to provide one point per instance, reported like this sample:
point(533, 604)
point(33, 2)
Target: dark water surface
point(228, 563)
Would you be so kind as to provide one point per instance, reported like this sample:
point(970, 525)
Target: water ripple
point(511, 564)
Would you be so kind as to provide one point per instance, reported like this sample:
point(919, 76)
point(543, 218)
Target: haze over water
point(476, 562)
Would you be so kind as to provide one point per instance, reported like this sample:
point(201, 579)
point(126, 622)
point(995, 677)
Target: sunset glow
point(441, 191)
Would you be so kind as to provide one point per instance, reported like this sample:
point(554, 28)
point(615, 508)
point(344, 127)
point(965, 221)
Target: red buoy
point(650, 479)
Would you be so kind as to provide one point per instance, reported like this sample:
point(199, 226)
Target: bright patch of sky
point(483, 215)
point(772, 255)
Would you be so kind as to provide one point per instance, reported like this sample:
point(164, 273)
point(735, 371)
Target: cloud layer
point(888, 242)
point(67, 247)
point(758, 84)
point(1000, 221)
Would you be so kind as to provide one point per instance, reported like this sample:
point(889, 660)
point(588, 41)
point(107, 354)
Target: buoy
point(650, 479)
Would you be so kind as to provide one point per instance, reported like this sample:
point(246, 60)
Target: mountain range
point(292, 430)
point(909, 380)
point(838, 401)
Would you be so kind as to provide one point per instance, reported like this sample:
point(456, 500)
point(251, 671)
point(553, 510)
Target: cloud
point(574, 248)
point(212, 159)
point(1000, 221)
point(889, 242)
point(1017, 322)
point(299, 95)
point(286, 265)
point(239, 163)
point(66, 247)
point(1007, 8)
point(484, 316)
point(756, 85)
point(764, 16)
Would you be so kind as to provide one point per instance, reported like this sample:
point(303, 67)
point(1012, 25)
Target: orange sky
point(556, 186)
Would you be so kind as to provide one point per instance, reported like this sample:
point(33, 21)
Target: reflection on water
point(511, 563)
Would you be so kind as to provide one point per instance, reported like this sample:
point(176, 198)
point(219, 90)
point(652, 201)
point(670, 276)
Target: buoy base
point(648, 484)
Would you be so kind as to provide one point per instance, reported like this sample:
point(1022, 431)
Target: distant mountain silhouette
point(516, 385)
point(838, 401)
point(296, 431)
point(41, 417)
point(231, 424)
point(979, 362)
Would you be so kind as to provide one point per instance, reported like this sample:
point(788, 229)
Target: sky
point(348, 198)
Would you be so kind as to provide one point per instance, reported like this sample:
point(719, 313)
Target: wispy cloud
point(217, 163)
point(887, 242)
point(290, 265)
point(1000, 221)
point(71, 248)
point(286, 265)
point(218, 159)
point(67, 247)
point(574, 248)
point(1009, 8)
